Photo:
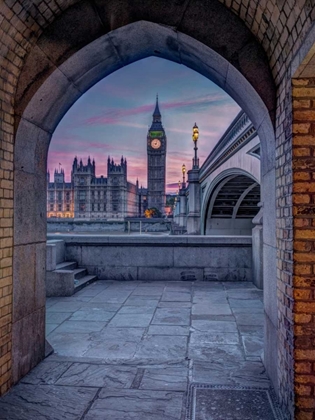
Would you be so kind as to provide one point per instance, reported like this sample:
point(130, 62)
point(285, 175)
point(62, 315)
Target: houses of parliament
point(113, 197)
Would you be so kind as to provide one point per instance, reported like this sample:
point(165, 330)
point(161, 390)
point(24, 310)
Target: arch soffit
point(72, 57)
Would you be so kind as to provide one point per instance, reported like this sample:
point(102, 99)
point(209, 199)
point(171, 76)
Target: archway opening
point(47, 106)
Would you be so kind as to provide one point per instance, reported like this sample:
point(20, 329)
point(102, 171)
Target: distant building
point(90, 197)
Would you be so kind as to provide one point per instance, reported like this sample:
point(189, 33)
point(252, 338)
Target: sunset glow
point(112, 118)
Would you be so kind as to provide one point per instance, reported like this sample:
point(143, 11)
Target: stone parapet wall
point(162, 258)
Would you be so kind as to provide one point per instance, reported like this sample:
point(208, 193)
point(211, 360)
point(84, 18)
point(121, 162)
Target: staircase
point(63, 278)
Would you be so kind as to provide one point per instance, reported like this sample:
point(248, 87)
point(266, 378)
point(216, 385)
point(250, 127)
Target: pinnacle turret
point(156, 113)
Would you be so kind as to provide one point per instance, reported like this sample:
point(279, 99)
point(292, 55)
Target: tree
point(152, 212)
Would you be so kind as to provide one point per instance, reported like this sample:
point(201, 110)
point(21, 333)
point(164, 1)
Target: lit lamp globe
point(195, 135)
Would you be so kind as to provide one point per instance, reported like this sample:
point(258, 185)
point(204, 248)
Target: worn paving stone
point(63, 306)
point(112, 296)
point(176, 296)
point(211, 309)
point(161, 348)
point(108, 307)
point(92, 314)
point(251, 330)
point(214, 326)
point(240, 373)
point(46, 372)
point(50, 328)
point(148, 291)
point(69, 344)
point(56, 317)
point(169, 378)
point(141, 301)
point(254, 319)
point(137, 404)
point(213, 352)
point(49, 402)
point(226, 318)
point(103, 376)
point(170, 316)
point(136, 310)
point(168, 330)
point(244, 294)
point(131, 320)
point(241, 303)
point(114, 343)
point(203, 338)
point(253, 345)
point(174, 305)
point(75, 326)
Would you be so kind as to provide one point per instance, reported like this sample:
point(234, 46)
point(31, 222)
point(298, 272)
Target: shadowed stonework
point(130, 350)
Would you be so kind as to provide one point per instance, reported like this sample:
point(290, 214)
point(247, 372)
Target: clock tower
point(156, 150)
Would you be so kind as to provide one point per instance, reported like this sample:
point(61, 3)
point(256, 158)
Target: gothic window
point(99, 207)
point(115, 207)
point(92, 207)
point(92, 194)
point(59, 195)
point(67, 196)
point(51, 196)
point(51, 207)
point(82, 207)
point(59, 207)
point(82, 181)
point(68, 207)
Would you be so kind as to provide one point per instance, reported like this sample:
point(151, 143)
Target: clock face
point(156, 143)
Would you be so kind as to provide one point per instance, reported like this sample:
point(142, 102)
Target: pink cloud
point(114, 115)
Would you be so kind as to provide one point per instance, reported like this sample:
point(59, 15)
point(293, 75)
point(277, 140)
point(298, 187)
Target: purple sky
point(112, 118)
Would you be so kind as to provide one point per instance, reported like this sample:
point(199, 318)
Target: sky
point(113, 117)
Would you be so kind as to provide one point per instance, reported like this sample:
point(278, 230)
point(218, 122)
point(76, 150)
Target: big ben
point(156, 149)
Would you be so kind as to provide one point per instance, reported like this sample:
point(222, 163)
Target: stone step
point(67, 265)
point(79, 273)
point(82, 282)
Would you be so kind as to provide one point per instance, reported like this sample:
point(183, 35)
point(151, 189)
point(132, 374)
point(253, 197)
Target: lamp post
point(184, 175)
point(195, 137)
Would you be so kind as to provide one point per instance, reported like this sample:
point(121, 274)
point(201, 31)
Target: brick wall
point(303, 160)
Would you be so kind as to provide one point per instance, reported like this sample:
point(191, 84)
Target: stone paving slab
point(137, 405)
point(211, 309)
point(162, 348)
point(85, 374)
point(169, 378)
point(80, 326)
point(214, 326)
point(131, 320)
point(170, 316)
point(168, 330)
point(47, 372)
point(46, 402)
point(92, 314)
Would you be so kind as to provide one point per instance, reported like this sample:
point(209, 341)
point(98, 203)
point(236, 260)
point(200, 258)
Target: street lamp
point(195, 137)
point(184, 174)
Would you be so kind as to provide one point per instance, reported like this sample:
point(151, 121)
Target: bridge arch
point(234, 186)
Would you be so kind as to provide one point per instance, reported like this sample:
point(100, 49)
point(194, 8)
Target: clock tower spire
point(156, 151)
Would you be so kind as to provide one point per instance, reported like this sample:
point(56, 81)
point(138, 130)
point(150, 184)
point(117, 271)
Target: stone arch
point(50, 84)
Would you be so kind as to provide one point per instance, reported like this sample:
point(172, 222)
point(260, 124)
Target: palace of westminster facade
point(114, 197)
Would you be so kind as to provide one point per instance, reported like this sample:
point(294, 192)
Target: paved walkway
point(128, 350)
